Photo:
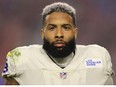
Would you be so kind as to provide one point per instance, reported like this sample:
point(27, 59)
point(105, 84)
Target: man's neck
point(63, 62)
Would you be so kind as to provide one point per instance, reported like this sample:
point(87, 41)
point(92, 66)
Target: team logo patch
point(63, 75)
point(93, 62)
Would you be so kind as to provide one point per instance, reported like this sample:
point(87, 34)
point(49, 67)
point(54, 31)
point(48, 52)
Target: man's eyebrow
point(52, 25)
point(67, 25)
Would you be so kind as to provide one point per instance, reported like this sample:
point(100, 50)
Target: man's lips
point(59, 44)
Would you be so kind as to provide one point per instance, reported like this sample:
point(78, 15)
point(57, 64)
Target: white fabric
point(91, 65)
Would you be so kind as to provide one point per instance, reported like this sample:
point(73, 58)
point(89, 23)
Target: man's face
point(59, 30)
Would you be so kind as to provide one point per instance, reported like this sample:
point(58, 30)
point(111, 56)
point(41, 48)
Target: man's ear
point(42, 34)
point(76, 32)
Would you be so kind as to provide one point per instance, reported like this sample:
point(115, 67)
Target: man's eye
point(51, 28)
point(67, 28)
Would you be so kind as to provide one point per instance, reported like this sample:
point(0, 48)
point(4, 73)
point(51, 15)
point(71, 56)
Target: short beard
point(55, 52)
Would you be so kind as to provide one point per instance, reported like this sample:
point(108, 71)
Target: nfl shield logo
point(63, 75)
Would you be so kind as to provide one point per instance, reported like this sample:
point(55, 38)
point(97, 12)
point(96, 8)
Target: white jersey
point(31, 65)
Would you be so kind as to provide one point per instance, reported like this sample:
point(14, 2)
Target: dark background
point(20, 24)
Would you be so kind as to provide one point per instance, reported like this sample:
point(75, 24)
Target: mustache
point(59, 42)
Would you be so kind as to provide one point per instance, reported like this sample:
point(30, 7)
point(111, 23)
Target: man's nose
point(59, 33)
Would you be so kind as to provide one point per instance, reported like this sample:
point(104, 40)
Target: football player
point(59, 61)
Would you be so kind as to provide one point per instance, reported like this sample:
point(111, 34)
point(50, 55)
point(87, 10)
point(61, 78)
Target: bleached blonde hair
point(59, 7)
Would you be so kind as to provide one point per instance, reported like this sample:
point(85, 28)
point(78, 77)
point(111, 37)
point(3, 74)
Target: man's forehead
point(59, 17)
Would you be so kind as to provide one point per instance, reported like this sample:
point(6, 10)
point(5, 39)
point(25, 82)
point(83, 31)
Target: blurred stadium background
point(20, 24)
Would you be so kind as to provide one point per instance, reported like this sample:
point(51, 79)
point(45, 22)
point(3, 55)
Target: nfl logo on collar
point(63, 75)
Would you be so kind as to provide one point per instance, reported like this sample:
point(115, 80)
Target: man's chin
point(59, 48)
